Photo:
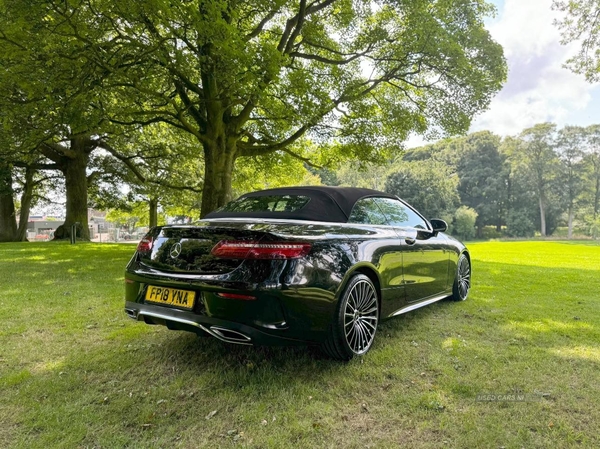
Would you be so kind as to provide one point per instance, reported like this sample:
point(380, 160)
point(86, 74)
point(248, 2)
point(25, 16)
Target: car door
point(381, 246)
point(424, 256)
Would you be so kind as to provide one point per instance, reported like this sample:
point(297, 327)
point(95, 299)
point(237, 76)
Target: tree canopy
point(250, 78)
point(429, 186)
point(581, 24)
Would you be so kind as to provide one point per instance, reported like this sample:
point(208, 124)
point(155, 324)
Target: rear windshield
point(268, 203)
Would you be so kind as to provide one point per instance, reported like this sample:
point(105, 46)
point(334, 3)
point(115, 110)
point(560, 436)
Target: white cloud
point(538, 89)
point(525, 27)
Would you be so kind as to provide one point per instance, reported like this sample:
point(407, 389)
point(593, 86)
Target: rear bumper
point(227, 331)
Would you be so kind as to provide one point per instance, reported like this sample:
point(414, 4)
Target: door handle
point(409, 241)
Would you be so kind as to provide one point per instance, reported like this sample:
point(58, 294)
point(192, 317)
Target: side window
point(399, 214)
point(366, 211)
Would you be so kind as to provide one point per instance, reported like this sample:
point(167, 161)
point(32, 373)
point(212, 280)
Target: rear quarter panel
point(310, 287)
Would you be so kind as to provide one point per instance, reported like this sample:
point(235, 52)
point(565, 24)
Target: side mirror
point(438, 225)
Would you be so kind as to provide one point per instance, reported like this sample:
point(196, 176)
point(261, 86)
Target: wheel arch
point(336, 343)
point(466, 252)
point(368, 270)
point(453, 262)
point(456, 294)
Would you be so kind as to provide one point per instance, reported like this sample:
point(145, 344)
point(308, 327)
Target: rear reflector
point(228, 249)
point(145, 245)
point(236, 296)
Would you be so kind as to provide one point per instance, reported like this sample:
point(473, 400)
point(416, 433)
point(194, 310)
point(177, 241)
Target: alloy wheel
point(464, 277)
point(360, 317)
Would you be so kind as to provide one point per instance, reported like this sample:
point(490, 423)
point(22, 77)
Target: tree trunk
point(219, 161)
point(26, 198)
point(8, 220)
point(542, 217)
point(570, 229)
point(153, 206)
point(74, 171)
point(479, 233)
point(597, 198)
point(509, 200)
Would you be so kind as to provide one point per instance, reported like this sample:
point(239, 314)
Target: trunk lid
point(187, 249)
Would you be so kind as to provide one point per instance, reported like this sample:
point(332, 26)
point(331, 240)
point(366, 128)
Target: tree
point(8, 221)
point(522, 204)
point(367, 175)
point(137, 214)
point(275, 170)
point(154, 165)
point(19, 177)
point(162, 173)
point(26, 184)
point(537, 154)
point(464, 222)
point(32, 187)
point(570, 145)
point(53, 106)
point(429, 186)
point(592, 157)
point(482, 174)
point(255, 77)
point(481, 170)
point(49, 88)
point(581, 24)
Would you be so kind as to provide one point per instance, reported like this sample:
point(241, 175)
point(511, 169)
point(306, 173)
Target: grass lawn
point(76, 372)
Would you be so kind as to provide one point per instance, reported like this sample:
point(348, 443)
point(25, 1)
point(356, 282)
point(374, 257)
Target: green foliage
point(274, 170)
point(591, 193)
point(50, 87)
point(595, 229)
point(490, 233)
point(480, 168)
point(503, 180)
point(365, 175)
point(328, 176)
point(483, 173)
point(519, 224)
point(570, 147)
point(134, 216)
point(242, 79)
point(156, 163)
point(579, 24)
point(429, 186)
point(539, 166)
point(463, 225)
point(251, 78)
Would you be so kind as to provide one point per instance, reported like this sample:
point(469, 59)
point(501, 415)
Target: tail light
point(231, 249)
point(145, 245)
point(237, 296)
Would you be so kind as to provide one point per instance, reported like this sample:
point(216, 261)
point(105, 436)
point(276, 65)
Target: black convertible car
point(297, 265)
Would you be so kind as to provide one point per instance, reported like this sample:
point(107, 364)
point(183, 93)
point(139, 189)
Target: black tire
point(355, 322)
point(462, 281)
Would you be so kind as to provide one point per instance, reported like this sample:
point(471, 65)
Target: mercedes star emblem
point(175, 250)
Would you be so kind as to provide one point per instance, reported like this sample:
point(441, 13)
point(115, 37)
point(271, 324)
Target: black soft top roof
point(333, 204)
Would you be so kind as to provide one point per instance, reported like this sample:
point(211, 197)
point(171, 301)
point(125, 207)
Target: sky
point(539, 89)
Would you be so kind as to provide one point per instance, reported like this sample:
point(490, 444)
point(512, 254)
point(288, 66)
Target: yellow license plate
point(170, 296)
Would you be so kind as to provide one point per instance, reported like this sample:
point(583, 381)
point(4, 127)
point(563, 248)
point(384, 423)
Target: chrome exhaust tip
point(131, 313)
point(220, 333)
point(230, 336)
